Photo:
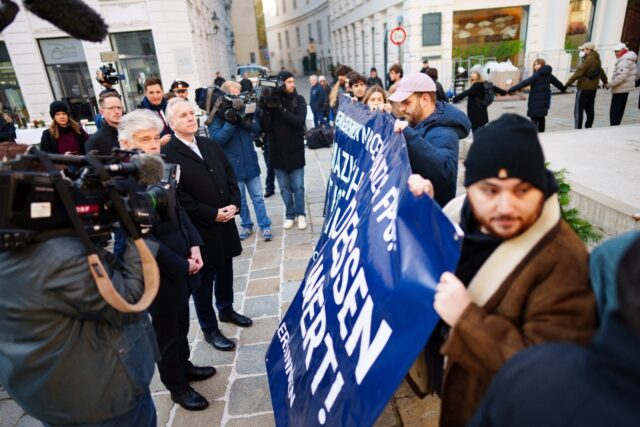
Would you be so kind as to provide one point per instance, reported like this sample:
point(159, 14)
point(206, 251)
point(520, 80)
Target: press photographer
point(283, 114)
point(75, 347)
point(235, 135)
point(179, 260)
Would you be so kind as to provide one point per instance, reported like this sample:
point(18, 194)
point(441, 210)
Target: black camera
point(241, 107)
point(270, 88)
point(31, 206)
point(108, 74)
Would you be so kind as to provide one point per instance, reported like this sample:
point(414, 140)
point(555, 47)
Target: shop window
point(10, 93)
point(431, 29)
point(490, 33)
point(579, 23)
point(137, 61)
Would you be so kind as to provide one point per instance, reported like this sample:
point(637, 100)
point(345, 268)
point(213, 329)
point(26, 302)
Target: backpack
point(594, 74)
point(489, 94)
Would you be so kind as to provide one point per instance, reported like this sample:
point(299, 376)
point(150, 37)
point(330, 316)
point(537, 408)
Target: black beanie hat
point(284, 75)
point(507, 148)
point(56, 107)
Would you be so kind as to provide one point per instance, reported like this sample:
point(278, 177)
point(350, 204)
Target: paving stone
point(295, 269)
point(206, 355)
point(241, 268)
point(28, 421)
point(247, 252)
point(261, 331)
point(11, 412)
point(269, 272)
point(289, 290)
point(388, 418)
point(194, 327)
point(163, 404)
point(265, 420)
point(419, 412)
point(266, 259)
point(238, 299)
point(3, 393)
point(251, 359)
point(283, 309)
point(156, 385)
point(212, 416)
point(297, 237)
point(249, 395)
point(263, 287)
point(300, 252)
point(261, 306)
point(274, 244)
point(240, 283)
point(404, 390)
point(215, 387)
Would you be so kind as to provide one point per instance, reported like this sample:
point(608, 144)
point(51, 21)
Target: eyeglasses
point(114, 108)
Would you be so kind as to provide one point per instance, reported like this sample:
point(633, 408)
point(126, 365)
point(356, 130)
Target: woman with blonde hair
point(476, 104)
point(376, 99)
point(65, 135)
point(539, 92)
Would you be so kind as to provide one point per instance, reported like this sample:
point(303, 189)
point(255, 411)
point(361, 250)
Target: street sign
point(398, 36)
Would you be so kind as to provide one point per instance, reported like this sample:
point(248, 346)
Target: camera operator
point(283, 119)
point(106, 138)
point(234, 135)
point(179, 261)
point(66, 356)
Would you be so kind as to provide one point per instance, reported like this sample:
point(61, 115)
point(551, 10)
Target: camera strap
point(213, 112)
point(150, 271)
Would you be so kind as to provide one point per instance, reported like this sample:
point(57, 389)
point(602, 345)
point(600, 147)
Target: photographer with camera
point(179, 261)
point(283, 115)
point(209, 192)
point(106, 138)
point(67, 356)
point(235, 136)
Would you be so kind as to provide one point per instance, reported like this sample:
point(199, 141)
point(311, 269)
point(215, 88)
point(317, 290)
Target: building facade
point(298, 29)
point(170, 39)
point(449, 32)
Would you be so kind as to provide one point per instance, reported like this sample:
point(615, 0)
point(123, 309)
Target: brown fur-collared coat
point(534, 288)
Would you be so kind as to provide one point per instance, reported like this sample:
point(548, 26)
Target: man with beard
point(522, 278)
point(432, 130)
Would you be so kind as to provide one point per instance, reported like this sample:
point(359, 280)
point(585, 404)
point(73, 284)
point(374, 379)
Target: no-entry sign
point(398, 35)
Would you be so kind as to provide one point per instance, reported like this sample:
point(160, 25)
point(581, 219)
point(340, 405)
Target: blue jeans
point(318, 119)
point(254, 187)
point(291, 185)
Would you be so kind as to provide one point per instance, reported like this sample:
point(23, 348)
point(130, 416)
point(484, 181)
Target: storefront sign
point(365, 308)
point(62, 51)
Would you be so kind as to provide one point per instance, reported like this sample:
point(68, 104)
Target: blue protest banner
point(365, 308)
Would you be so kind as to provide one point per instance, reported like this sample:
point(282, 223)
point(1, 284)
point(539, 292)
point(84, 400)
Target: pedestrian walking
point(588, 76)
point(539, 100)
point(622, 82)
point(480, 95)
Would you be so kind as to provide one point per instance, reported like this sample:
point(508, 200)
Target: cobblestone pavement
point(267, 275)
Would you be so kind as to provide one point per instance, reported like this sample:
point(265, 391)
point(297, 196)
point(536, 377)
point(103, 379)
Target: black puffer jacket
point(285, 132)
point(540, 92)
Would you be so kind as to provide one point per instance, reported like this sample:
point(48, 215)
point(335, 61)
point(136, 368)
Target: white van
point(253, 70)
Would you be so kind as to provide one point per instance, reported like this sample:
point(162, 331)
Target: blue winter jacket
point(433, 148)
point(540, 92)
point(237, 144)
point(317, 98)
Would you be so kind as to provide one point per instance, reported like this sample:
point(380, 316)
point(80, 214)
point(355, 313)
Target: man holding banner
point(432, 130)
point(522, 278)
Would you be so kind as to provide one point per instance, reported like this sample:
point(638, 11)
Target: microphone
point(8, 12)
point(150, 168)
point(74, 17)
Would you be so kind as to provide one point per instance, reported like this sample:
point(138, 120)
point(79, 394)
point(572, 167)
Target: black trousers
point(203, 296)
point(618, 104)
point(171, 334)
point(585, 100)
point(270, 180)
point(539, 122)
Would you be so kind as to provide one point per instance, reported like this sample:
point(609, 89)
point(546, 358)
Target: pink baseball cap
point(416, 82)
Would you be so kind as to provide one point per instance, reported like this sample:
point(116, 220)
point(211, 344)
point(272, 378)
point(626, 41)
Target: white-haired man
point(179, 260)
point(209, 192)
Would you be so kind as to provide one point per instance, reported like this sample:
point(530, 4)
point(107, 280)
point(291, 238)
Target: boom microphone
point(73, 17)
point(150, 168)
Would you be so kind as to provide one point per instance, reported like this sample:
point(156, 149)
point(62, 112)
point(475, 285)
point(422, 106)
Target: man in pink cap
point(432, 130)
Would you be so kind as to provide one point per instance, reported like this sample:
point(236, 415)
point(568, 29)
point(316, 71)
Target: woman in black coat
point(476, 109)
point(540, 92)
point(65, 135)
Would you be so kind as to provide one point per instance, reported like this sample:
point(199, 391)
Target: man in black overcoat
point(209, 192)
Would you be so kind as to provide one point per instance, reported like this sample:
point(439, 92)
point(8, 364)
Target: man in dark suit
point(179, 261)
point(209, 192)
point(106, 138)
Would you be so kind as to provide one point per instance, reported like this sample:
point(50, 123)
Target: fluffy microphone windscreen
point(8, 12)
point(150, 168)
point(73, 17)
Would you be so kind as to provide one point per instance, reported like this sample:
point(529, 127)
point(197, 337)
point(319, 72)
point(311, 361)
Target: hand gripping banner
point(365, 308)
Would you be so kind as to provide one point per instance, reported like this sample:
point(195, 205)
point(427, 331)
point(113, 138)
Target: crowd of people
point(524, 277)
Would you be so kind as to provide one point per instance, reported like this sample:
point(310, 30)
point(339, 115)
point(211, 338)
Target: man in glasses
point(106, 138)
point(180, 88)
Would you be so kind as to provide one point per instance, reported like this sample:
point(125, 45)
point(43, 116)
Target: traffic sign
point(398, 36)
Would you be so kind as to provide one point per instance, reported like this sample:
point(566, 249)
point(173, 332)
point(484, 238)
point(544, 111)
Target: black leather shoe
point(231, 316)
point(199, 373)
point(219, 341)
point(189, 399)
point(268, 194)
